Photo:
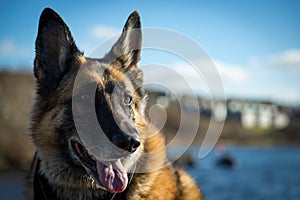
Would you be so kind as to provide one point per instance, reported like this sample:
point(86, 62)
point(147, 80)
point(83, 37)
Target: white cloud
point(9, 47)
point(175, 79)
point(211, 72)
point(104, 32)
point(205, 77)
point(233, 73)
point(287, 59)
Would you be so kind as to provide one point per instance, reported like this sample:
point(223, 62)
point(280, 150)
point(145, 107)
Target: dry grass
point(16, 95)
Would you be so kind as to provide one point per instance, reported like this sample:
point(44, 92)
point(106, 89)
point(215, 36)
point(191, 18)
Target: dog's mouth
point(111, 174)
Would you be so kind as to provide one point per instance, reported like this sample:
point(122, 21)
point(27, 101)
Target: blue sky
point(255, 44)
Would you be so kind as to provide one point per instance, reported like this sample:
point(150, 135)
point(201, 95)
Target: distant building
point(251, 114)
point(219, 111)
point(264, 115)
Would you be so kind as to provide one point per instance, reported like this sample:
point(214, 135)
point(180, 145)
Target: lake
point(267, 173)
point(261, 173)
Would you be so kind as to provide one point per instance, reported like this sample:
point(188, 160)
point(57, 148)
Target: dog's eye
point(127, 99)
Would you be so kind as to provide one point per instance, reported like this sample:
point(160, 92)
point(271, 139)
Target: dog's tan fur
point(55, 172)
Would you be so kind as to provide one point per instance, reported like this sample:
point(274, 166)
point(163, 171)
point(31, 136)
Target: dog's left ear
point(126, 51)
point(55, 48)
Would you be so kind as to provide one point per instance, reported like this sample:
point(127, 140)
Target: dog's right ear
point(55, 48)
point(127, 49)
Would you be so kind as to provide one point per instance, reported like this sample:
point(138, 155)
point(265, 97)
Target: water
point(260, 174)
point(11, 186)
point(271, 173)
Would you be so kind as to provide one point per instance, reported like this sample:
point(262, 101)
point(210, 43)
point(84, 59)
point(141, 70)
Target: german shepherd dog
point(64, 166)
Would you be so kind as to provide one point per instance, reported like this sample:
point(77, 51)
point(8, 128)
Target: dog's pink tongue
point(112, 175)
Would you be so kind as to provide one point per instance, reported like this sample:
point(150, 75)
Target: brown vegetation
point(16, 96)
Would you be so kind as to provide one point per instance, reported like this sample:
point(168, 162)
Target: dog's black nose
point(127, 143)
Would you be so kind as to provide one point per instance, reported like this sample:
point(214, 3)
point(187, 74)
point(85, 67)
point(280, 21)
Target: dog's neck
point(44, 190)
point(41, 186)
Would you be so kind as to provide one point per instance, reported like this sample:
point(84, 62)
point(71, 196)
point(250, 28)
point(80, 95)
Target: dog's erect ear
point(127, 49)
point(55, 47)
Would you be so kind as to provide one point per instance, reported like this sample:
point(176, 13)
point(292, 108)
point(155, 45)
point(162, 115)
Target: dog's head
point(109, 87)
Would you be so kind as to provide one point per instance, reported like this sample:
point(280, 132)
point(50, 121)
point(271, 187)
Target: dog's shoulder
point(188, 187)
point(168, 183)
